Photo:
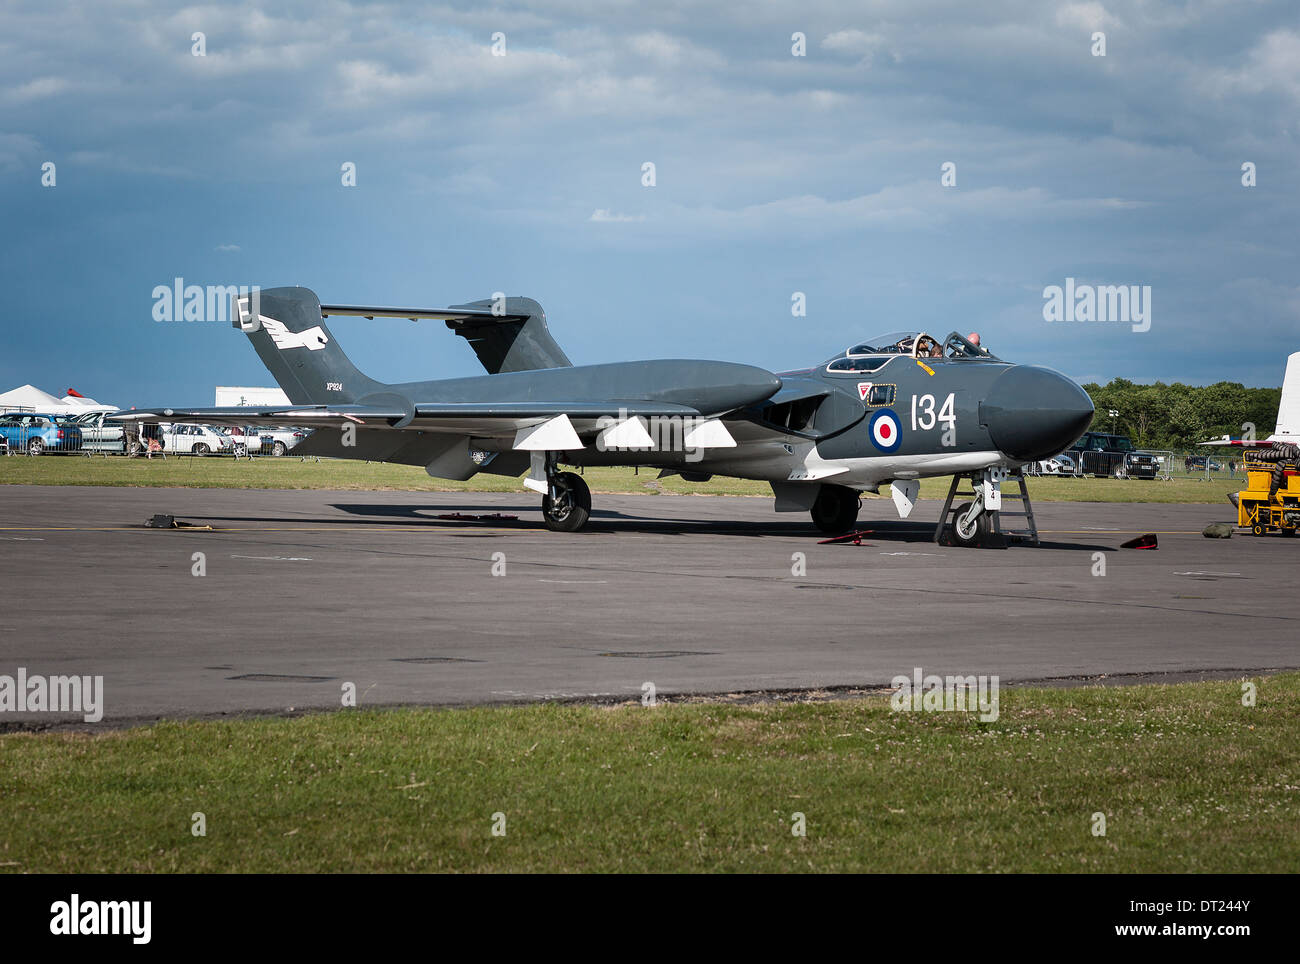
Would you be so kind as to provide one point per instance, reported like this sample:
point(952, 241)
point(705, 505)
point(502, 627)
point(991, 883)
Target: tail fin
point(286, 327)
point(1288, 412)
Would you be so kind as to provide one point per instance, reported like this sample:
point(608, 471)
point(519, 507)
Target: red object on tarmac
point(1147, 541)
point(853, 537)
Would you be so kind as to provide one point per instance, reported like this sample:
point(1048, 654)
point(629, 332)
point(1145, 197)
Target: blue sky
point(775, 174)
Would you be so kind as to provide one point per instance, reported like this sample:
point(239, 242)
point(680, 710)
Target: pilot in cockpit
point(920, 346)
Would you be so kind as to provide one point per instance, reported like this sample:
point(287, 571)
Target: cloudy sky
point(774, 174)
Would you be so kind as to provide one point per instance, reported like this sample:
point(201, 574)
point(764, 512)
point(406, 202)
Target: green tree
point(1178, 416)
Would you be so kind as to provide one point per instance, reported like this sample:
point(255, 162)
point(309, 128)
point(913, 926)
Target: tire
point(979, 532)
point(1120, 472)
point(279, 448)
point(36, 446)
point(574, 507)
point(836, 509)
point(1288, 532)
point(1258, 529)
point(200, 448)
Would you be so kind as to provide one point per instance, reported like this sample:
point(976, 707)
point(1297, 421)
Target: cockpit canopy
point(894, 343)
point(875, 353)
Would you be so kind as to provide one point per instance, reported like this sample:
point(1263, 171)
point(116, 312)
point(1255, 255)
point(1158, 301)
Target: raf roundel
point(885, 434)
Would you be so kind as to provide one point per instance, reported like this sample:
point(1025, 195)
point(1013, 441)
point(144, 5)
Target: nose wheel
point(566, 506)
point(972, 525)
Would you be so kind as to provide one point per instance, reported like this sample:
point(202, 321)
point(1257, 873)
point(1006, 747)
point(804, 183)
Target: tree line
point(1177, 416)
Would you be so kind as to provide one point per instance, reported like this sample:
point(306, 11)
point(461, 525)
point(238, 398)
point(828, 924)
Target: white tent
point(31, 398)
point(80, 403)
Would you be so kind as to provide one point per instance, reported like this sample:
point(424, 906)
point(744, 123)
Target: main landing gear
point(567, 505)
point(836, 509)
point(566, 500)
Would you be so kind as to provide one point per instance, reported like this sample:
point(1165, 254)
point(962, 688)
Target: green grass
point(293, 473)
point(1189, 779)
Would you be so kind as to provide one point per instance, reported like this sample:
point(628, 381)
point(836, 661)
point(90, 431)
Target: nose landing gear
point(978, 523)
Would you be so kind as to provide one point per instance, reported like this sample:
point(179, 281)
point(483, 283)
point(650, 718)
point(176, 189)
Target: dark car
point(1099, 454)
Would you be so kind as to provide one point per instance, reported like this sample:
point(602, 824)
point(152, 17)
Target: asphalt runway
point(305, 591)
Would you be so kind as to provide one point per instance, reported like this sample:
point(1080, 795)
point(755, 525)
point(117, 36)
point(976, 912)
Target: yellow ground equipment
point(1271, 499)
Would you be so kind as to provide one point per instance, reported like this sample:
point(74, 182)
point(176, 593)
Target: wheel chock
point(1146, 541)
point(852, 537)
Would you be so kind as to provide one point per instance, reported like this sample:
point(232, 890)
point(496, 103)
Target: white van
point(192, 439)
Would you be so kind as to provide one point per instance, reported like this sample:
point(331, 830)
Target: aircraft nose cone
point(1034, 413)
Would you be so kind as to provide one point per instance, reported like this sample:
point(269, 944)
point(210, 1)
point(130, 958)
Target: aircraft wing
point(444, 436)
point(307, 416)
point(452, 418)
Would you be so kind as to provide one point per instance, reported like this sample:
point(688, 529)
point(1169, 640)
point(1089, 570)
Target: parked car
point(1060, 465)
point(244, 439)
point(98, 434)
point(1200, 462)
point(1099, 454)
point(192, 439)
point(39, 432)
point(279, 441)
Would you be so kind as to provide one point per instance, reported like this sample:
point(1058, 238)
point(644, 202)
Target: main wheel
point(279, 448)
point(836, 509)
point(201, 449)
point(36, 447)
point(1121, 472)
point(571, 509)
point(972, 533)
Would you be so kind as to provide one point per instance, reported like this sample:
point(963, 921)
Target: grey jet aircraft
point(893, 409)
